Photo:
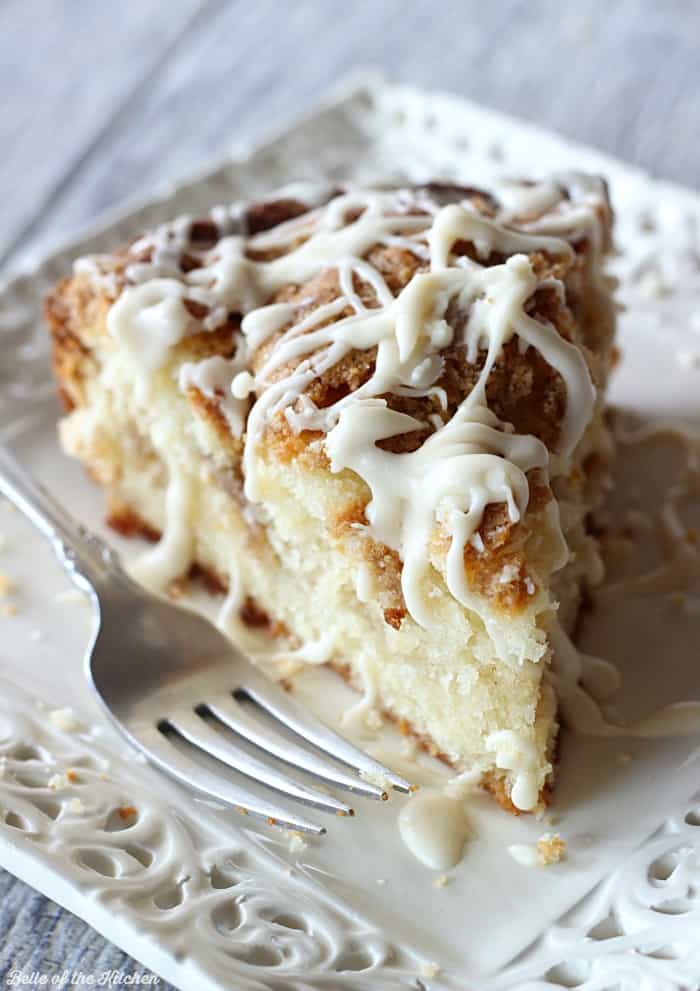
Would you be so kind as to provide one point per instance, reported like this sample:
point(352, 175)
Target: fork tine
point(230, 712)
point(169, 759)
point(276, 701)
point(195, 730)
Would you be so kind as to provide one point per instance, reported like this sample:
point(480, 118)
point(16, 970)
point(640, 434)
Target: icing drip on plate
point(435, 828)
point(584, 680)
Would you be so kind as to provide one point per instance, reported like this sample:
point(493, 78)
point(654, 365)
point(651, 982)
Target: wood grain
point(105, 107)
point(67, 70)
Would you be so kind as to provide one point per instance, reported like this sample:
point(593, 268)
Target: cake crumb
point(375, 778)
point(296, 844)
point(441, 881)
point(9, 609)
point(64, 720)
point(551, 848)
point(6, 585)
point(429, 969)
point(126, 811)
point(72, 776)
point(57, 782)
point(373, 719)
point(72, 596)
point(288, 667)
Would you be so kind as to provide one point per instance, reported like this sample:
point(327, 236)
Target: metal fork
point(174, 684)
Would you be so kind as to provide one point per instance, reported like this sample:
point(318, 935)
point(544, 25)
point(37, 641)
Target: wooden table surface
point(103, 102)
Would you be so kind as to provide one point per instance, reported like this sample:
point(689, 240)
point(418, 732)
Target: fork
point(177, 687)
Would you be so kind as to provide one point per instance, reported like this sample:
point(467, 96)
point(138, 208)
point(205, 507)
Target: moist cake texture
point(375, 416)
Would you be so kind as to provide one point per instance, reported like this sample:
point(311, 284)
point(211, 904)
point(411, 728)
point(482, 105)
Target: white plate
point(210, 901)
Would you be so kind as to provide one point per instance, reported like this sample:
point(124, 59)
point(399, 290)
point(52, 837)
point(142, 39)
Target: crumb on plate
point(296, 842)
point(551, 848)
point(373, 719)
point(57, 782)
point(64, 720)
point(70, 596)
point(429, 969)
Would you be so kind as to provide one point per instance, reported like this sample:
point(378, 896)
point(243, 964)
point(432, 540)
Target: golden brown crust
point(66, 310)
point(522, 388)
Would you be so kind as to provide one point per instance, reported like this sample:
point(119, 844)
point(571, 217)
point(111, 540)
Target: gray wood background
point(102, 102)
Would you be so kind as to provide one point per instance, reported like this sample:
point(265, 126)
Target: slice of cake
point(376, 417)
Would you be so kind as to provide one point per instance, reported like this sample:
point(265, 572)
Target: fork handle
point(86, 557)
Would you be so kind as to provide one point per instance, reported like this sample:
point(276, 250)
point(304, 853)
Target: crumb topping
point(430, 341)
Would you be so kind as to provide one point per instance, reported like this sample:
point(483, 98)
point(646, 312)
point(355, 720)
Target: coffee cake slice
point(375, 416)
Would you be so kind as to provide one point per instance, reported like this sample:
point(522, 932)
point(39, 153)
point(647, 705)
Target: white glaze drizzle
point(514, 753)
point(149, 319)
point(172, 556)
point(213, 377)
point(228, 613)
point(469, 462)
